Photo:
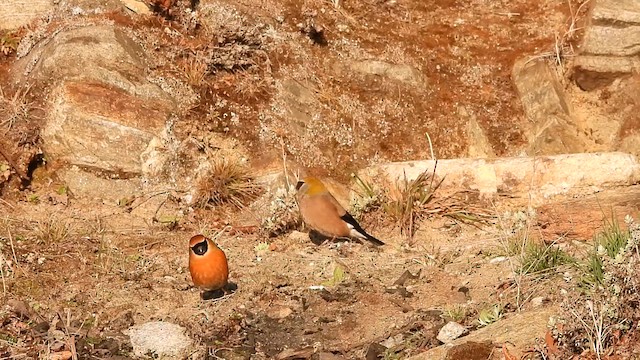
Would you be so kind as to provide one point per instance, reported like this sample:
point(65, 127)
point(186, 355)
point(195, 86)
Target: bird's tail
point(363, 235)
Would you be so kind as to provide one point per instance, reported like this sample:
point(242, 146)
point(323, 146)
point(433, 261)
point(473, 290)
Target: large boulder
point(97, 126)
point(547, 108)
point(611, 44)
point(105, 119)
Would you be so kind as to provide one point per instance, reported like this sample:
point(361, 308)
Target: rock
point(557, 218)
point(298, 99)
point(539, 301)
point(520, 330)
point(470, 350)
point(101, 127)
point(614, 29)
point(451, 331)
point(278, 312)
point(329, 356)
point(137, 7)
point(610, 44)
point(399, 72)
point(107, 124)
point(595, 72)
point(630, 143)
point(546, 106)
point(17, 13)
point(542, 177)
point(97, 53)
point(540, 91)
point(161, 339)
point(479, 145)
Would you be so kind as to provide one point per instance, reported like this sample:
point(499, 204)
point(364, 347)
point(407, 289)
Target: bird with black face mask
point(209, 268)
point(323, 214)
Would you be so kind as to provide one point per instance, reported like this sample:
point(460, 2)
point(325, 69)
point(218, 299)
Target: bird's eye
point(200, 248)
point(299, 185)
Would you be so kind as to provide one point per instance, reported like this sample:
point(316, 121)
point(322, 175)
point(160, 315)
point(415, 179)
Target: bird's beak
point(299, 185)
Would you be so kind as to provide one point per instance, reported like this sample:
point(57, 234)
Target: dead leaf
point(406, 275)
point(62, 355)
point(551, 343)
point(290, 354)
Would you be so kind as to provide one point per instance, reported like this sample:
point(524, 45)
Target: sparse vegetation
point(542, 259)
point(369, 198)
point(608, 313)
point(607, 244)
point(226, 182)
point(408, 205)
point(16, 108)
point(489, 315)
point(8, 42)
point(457, 313)
point(283, 214)
point(52, 230)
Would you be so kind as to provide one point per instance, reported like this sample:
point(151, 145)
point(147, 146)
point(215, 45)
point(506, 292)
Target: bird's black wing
point(351, 221)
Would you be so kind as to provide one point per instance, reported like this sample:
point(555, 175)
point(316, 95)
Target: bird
point(323, 214)
point(209, 268)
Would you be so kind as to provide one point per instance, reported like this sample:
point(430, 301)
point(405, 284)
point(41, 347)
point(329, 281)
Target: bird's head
point(199, 245)
point(310, 186)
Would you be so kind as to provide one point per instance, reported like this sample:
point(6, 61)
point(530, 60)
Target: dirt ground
point(92, 270)
point(105, 274)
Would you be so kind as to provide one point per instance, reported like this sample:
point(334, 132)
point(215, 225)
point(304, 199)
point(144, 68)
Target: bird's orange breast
point(209, 271)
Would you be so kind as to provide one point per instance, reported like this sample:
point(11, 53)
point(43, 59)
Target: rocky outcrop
point(17, 13)
point(547, 108)
point(105, 117)
point(534, 179)
point(398, 72)
point(611, 44)
point(517, 331)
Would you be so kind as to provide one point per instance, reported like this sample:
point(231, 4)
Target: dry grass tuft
point(418, 199)
point(15, 108)
point(52, 230)
point(195, 70)
point(226, 182)
point(8, 43)
point(413, 196)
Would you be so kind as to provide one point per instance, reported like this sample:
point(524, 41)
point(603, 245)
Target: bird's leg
point(230, 288)
point(318, 238)
point(212, 294)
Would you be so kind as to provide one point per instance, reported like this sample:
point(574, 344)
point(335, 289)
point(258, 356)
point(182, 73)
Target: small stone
point(136, 6)
point(329, 356)
point(498, 260)
point(393, 341)
point(279, 312)
point(19, 308)
point(539, 301)
point(298, 236)
point(451, 331)
point(470, 350)
point(162, 339)
point(399, 72)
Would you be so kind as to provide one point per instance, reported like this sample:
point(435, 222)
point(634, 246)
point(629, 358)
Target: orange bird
point(208, 267)
point(323, 214)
